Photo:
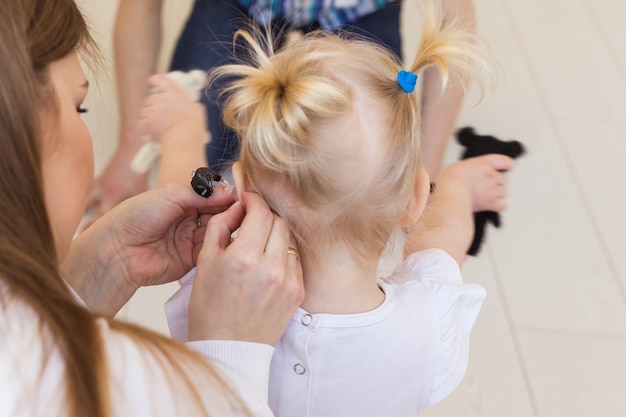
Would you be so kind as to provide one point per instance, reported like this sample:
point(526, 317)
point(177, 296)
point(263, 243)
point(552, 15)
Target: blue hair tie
point(407, 80)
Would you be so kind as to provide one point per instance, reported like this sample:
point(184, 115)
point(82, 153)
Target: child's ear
point(239, 178)
point(418, 201)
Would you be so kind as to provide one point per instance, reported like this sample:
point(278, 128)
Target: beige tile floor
point(551, 339)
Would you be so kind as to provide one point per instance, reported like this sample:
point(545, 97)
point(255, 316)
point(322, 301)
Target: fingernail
point(231, 189)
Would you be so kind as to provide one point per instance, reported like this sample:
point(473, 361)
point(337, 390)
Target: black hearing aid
point(204, 179)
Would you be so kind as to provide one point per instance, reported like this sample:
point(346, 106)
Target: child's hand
point(485, 178)
point(168, 109)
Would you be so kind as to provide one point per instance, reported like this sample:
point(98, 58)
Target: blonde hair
point(328, 135)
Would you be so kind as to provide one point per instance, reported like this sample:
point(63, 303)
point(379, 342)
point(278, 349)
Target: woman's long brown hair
point(33, 34)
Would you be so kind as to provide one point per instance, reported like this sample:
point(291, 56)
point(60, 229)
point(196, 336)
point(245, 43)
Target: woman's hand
point(150, 239)
point(247, 289)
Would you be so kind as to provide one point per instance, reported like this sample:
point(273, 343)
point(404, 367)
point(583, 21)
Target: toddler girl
point(330, 137)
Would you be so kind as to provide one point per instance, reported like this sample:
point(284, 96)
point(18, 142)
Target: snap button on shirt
point(299, 369)
point(306, 319)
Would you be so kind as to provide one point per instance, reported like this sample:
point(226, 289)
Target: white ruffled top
point(409, 353)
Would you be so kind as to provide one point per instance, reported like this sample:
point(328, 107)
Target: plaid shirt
point(331, 14)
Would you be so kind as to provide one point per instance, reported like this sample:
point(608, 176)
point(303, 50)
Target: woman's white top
point(32, 372)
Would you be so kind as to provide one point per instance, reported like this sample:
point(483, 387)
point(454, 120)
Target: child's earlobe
point(421, 191)
point(239, 178)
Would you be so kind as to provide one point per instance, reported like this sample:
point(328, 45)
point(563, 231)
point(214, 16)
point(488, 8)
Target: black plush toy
point(477, 145)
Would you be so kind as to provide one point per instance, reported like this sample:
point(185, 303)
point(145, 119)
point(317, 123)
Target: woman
point(58, 357)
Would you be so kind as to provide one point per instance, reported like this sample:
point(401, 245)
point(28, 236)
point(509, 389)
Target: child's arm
point(178, 123)
point(471, 185)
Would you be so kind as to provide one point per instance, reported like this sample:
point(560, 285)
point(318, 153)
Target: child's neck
point(341, 285)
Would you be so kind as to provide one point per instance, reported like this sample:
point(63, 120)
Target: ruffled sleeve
point(456, 304)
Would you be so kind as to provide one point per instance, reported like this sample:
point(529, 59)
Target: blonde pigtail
point(272, 102)
point(450, 46)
